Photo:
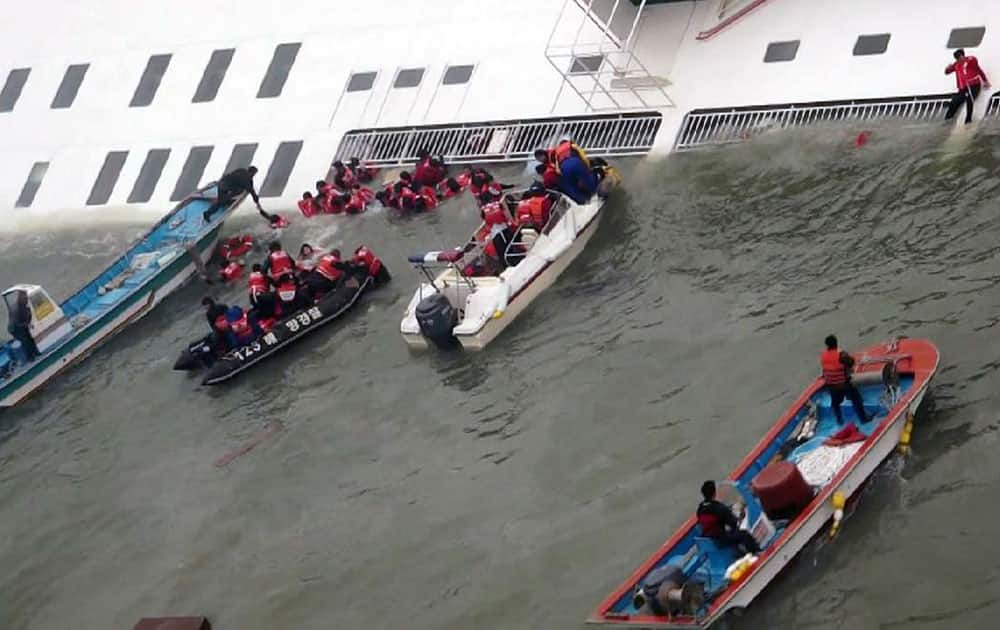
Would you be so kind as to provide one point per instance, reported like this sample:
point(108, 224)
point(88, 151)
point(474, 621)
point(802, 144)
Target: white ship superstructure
point(125, 103)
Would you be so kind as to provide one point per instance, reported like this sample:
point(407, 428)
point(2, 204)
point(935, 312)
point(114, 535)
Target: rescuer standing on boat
point(970, 78)
point(836, 366)
point(231, 186)
point(20, 325)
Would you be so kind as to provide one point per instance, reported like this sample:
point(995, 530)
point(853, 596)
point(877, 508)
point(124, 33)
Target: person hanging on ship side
point(836, 365)
point(970, 78)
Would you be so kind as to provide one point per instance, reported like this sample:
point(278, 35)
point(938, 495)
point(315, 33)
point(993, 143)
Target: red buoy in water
point(862, 139)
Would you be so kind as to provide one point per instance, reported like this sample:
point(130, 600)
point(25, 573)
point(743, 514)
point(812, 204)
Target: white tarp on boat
point(819, 465)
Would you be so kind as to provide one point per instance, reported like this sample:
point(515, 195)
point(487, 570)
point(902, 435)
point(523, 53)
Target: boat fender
point(838, 501)
point(504, 299)
point(906, 434)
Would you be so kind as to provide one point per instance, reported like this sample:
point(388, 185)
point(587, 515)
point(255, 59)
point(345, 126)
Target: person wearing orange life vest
point(366, 260)
point(343, 176)
point(243, 327)
point(259, 290)
point(278, 262)
point(326, 275)
point(836, 365)
point(308, 205)
point(969, 78)
point(429, 171)
point(576, 179)
point(533, 210)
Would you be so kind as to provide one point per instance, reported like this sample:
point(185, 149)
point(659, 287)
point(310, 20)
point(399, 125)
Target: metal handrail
point(503, 141)
point(705, 127)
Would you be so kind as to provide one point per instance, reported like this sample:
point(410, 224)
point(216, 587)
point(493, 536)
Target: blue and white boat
point(162, 260)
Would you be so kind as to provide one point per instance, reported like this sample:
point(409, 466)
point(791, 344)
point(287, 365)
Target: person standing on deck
point(836, 365)
point(231, 186)
point(20, 325)
point(970, 78)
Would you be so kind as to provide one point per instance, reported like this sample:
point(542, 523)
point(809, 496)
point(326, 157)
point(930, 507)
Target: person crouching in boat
point(836, 365)
point(261, 298)
point(576, 179)
point(546, 168)
point(243, 327)
point(215, 313)
point(534, 208)
point(719, 523)
point(278, 262)
point(366, 260)
point(326, 276)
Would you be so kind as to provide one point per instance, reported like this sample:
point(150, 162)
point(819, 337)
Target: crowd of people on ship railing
point(281, 286)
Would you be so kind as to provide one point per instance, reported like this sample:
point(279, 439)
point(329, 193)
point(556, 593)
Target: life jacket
point(308, 207)
point(356, 205)
point(494, 214)
point(279, 222)
point(565, 150)
point(365, 256)
point(256, 284)
point(427, 174)
point(834, 371)
point(550, 177)
point(405, 199)
point(236, 246)
point(366, 194)
point(281, 263)
point(287, 291)
point(967, 72)
point(327, 267)
point(711, 525)
point(221, 323)
point(242, 328)
point(534, 211)
point(347, 178)
point(429, 197)
point(232, 271)
point(327, 189)
point(491, 186)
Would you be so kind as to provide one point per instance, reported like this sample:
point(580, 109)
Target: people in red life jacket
point(449, 188)
point(215, 313)
point(343, 176)
point(387, 196)
point(236, 246)
point(426, 199)
point(534, 208)
point(243, 327)
point(429, 171)
point(365, 259)
point(277, 221)
point(970, 79)
point(500, 234)
point(232, 271)
point(307, 258)
point(405, 198)
point(261, 298)
point(482, 181)
point(836, 365)
point(719, 523)
point(327, 274)
point(290, 298)
point(309, 205)
point(278, 263)
point(547, 170)
point(363, 172)
point(356, 202)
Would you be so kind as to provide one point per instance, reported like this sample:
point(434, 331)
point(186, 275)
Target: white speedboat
point(469, 297)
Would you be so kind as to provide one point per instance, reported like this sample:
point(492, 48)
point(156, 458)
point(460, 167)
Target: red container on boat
point(782, 490)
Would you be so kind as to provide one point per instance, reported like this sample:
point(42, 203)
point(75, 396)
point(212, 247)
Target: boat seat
point(111, 297)
point(719, 557)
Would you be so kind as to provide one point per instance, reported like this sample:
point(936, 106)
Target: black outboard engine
point(437, 317)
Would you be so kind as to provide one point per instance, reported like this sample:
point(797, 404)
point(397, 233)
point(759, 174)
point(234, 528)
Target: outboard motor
point(437, 317)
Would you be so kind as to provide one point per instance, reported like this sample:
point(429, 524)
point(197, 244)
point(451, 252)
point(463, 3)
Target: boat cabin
point(48, 323)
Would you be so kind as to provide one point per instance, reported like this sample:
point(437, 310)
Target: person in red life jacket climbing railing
point(278, 263)
point(970, 79)
point(326, 275)
point(343, 177)
point(429, 171)
point(308, 205)
point(363, 172)
point(836, 365)
point(719, 523)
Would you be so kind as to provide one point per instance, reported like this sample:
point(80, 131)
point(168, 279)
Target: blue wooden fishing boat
point(796, 480)
point(159, 262)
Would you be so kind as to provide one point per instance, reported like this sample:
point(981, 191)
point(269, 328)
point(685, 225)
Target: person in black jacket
point(718, 521)
point(232, 185)
point(20, 325)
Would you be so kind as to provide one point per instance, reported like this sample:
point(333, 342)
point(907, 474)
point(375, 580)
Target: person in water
point(970, 79)
point(232, 185)
point(19, 325)
point(261, 298)
point(326, 275)
point(836, 365)
point(278, 263)
point(719, 523)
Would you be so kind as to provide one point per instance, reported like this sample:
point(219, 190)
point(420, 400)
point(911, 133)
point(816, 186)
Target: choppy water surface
point(515, 488)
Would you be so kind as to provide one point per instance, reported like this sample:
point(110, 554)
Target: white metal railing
point(722, 126)
point(503, 141)
point(993, 107)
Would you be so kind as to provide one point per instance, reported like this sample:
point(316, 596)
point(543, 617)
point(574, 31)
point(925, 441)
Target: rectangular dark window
point(281, 169)
point(70, 85)
point(156, 67)
point(241, 157)
point(31, 185)
point(277, 71)
point(214, 73)
point(456, 75)
point(194, 168)
point(781, 51)
point(968, 37)
point(149, 175)
point(871, 44)
point(361, 81)
point(107, 178)
point(408, 78)
point(12, 88)
point(586, 65)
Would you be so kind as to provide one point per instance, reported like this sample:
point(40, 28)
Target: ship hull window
point(277, 71)
point(69, 86)
point(241, 157)
point(968, 37)
point(871, 44)
point(12, 88)
point(281, 168)
point(149, 175)
point(781, 51)
point(31, 186)
point(145, 92)
point(107, 178)
point(408, 78)
point(361, 81)
point(457, 75)
point(215, 72)
point(194, 168)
